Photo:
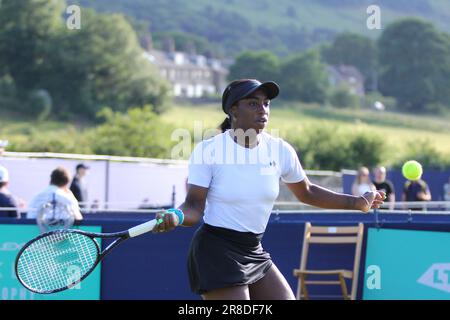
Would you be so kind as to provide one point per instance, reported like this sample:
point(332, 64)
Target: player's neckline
point(252, 147)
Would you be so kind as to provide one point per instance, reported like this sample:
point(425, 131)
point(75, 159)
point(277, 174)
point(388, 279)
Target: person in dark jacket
point(78, 186)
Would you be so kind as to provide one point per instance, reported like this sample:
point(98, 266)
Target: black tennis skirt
point(220, 258)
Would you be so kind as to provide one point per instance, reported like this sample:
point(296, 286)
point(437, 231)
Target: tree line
point(409, 62)
point(222, 31)
point(47, 69)
point(139, 132)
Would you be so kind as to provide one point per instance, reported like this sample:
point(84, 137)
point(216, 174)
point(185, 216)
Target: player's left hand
point(167, 221)
point(374, 200)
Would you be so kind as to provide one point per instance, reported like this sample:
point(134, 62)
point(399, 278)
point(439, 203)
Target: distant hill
point(282, 26)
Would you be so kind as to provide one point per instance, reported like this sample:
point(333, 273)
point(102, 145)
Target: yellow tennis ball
point(412, 170)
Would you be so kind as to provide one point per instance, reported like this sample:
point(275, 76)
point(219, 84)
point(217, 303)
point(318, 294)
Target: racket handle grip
point(142, 228)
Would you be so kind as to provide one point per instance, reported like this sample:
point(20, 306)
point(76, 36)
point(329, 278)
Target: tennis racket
point(58, 260)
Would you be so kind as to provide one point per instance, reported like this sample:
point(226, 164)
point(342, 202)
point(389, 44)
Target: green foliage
point(389, 102)
point(283, 26)
point(40, 104)
point(365, 148)
point(105, 66)
point(426, 154)
point(82, 70)
point(437, 108)
point(324, 137)
point(187, 42)
point(229, 27)
point(69, 140)
point(8, 93)
point(415, 64)
point(341, 97)
point(355, 50)
point(26, 27)
point(261, 65)
point(138, 133)
point(328, 148)
point(304, 78)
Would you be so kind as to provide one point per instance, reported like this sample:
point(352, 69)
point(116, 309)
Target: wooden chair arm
point(344, 273)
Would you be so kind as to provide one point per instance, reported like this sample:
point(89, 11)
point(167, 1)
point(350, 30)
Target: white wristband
point(367, 201)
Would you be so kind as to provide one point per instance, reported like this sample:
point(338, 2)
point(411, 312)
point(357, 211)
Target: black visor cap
point(241, 89)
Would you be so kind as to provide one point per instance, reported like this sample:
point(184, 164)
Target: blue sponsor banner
point(407, 264)
point(12, 238)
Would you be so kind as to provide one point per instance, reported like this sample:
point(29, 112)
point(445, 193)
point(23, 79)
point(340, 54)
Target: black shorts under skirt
point(220, 258)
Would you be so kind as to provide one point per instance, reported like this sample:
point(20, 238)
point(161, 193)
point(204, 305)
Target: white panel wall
point(129, 182)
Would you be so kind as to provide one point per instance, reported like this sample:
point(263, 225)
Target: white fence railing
point(287, 207)
point(428, 206)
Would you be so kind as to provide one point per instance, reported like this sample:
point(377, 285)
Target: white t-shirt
point(363, 188)
point(61, 197)
point(243, 182)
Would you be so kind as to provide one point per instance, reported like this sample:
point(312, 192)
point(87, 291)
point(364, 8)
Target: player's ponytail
point(225, 125)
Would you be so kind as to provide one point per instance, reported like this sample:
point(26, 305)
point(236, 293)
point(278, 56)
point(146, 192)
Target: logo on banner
point(437, 276)
point(10, 246)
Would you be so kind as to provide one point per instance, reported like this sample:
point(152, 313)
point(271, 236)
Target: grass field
point(398, 130)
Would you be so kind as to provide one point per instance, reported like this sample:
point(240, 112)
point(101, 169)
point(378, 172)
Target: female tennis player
point(233, 184)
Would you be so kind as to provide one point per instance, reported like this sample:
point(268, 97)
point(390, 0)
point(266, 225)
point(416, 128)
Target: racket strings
point(56, 261)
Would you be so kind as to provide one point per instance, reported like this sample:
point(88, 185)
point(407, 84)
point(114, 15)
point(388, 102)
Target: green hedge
point(329, 148)
point(141, 133)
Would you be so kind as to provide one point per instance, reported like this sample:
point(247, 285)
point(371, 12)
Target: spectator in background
point(6, 199)
point(78, 186)
point(447, 193)
point(382, 184)
point(362, 183)
point(416, 190)
point(3, 145)
point(57, 192)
